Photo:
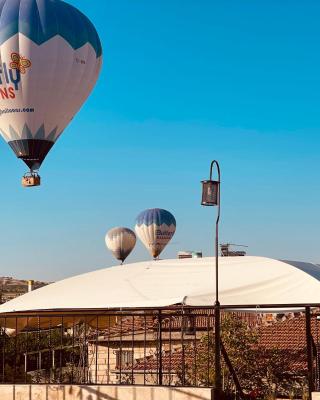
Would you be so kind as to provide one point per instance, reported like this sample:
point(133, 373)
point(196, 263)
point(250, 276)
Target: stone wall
point(106, 362)
point(68, 392)
point(103, 370)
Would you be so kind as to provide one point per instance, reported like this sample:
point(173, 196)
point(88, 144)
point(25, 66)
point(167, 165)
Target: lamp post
point(211, 197)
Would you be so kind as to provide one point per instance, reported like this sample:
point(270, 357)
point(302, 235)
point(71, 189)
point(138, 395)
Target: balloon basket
point(30, 179)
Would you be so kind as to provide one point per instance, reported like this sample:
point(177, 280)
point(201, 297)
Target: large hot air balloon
point(50, 58)
point(121, 242)
point(155, 228)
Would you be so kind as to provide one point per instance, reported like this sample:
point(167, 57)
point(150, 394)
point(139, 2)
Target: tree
point(261, 372)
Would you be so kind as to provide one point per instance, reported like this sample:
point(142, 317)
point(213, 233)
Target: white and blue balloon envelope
point(50, 59)
point(155, 228)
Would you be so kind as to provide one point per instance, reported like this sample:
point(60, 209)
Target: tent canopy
point(253, 281)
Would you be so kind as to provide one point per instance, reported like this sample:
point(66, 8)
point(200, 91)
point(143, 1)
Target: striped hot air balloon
point(155, 228)
point(50, 59)
point(121, 242)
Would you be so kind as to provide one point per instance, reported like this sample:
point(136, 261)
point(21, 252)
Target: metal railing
point(168, 346)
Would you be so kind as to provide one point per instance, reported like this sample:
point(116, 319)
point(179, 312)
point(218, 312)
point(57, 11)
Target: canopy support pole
point(232, 371)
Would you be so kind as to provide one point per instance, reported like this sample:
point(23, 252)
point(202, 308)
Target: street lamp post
point(211, 197)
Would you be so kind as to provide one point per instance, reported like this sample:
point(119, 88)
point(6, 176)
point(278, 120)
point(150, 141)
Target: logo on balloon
point(11, 77)
point(164, 234)
point(19, 62)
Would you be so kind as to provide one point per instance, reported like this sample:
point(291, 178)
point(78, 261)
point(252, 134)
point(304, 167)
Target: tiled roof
point(139, 324)
point(202, 319)
point(289, 334)
point(171, 362)
point(127, 325)
point(288, 337)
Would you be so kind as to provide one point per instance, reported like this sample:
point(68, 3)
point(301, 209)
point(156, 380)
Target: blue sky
point(183, 82)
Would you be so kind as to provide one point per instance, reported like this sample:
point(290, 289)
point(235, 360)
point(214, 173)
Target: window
point(189, 324)
point(123, 358)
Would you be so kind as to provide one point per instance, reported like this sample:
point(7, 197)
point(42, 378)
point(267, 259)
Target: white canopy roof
point(243, 281)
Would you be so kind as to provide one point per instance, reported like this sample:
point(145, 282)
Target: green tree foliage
point(261, 372)
point(13, 351)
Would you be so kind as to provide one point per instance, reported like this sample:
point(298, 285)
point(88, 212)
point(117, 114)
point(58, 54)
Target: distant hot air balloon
point(155, 228)
point(50, 58)
point(121, 242)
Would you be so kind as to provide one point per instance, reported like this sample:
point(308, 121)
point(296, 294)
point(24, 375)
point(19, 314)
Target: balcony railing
point(170, 346)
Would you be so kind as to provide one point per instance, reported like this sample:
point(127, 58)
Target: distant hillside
point(11, 287)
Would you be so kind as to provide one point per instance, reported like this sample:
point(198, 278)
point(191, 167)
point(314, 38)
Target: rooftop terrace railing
point(169, 347)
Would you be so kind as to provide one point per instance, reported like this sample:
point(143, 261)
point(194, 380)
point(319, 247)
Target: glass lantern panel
point(210, 193)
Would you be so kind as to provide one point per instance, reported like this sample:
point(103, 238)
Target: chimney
point(30, 285)
point(189, 254)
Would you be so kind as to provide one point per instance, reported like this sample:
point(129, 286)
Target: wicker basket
point(30, 180)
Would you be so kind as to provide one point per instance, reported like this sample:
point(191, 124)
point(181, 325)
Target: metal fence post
point(309, 351)
point(160, 348)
